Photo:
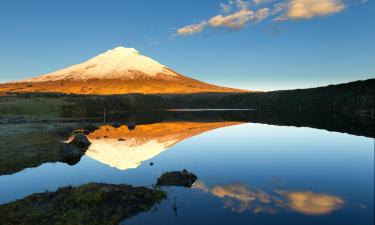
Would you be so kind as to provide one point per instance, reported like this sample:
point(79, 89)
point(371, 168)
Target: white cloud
point(262, 14)
point(234, 20)
point(307, 9)
point(239, 18)
point(236, 14)
point(191, 29)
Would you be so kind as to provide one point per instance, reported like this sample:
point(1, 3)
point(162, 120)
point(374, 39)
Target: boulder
point(74, 150)
point(177, 178)
point(80, 141)
point(131, 126)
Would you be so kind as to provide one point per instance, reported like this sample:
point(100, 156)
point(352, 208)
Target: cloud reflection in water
point(240, 198)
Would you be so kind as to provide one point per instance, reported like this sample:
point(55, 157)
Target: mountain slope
point(117, 71)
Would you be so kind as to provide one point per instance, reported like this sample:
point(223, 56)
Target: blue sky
point(325, 42)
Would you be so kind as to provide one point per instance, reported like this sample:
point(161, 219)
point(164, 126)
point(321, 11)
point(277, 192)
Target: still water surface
point(248, 173)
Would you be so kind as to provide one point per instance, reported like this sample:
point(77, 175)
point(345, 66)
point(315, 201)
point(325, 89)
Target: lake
point(250, 171)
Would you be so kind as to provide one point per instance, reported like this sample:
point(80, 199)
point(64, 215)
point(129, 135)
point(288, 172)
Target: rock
point(74, 150)
point(131, 126)
point(71, 155)
point(151, 163)
point(80, 141)
point(121, 139)
point(177, 178)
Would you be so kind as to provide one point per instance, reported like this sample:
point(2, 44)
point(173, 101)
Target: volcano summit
point(117, 71)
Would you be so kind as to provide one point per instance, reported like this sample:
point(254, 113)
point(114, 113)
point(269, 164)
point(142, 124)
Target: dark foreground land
point(354, 98)
point(88, 204)
point(91, 204)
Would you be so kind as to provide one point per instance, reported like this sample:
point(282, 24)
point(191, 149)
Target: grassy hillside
point(43, 107)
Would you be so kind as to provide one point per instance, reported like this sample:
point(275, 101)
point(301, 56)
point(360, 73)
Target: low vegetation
point(27, 145)
point(91, 204)
point(40, 107)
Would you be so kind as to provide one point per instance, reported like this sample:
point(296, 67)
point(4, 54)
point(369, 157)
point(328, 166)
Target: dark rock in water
point(70, 152)
point(177, 178)
point(131, 126)
point(80, 141)
point(74, 150)
point(90, 204)
point(151, 163)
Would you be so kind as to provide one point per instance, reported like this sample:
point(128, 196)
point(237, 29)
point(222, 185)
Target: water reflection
point(301, 175)
point(240, 198)
point(311, 203)
point(125, 148)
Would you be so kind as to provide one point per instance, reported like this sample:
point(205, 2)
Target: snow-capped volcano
point(117, 63)
point(117, 71)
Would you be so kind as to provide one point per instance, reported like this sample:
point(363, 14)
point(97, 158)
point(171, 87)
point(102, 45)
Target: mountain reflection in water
point(123, 148)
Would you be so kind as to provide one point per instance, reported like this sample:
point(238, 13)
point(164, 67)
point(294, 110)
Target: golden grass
point(159, 85)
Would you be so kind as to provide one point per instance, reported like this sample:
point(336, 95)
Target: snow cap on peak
point(123, 50)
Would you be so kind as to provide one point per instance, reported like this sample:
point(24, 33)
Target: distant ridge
point(117, 71)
